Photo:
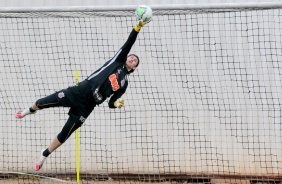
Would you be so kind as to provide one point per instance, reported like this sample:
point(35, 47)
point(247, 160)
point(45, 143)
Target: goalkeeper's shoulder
point(140, 24)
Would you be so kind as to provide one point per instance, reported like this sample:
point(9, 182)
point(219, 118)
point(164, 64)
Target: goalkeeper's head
point(132, 62)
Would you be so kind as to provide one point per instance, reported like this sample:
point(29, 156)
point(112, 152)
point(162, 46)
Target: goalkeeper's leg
point(71, 125)
point(49, 101)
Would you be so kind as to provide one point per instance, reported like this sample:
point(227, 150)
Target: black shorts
point(79, 98)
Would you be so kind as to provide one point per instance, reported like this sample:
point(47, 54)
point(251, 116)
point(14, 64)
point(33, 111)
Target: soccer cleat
point(21, 114)
point(40, 161)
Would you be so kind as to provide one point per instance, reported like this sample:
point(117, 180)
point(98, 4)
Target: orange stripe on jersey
point(114, 82)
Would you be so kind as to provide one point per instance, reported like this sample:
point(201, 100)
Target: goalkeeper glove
point(140, 24)
point(119, 103)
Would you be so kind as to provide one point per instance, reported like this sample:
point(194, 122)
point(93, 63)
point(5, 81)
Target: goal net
point(205, 102)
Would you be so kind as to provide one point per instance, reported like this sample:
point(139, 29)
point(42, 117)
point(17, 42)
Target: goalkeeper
point(108, 81)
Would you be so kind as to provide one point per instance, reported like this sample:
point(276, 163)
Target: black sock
point(46, 153)
point(31, 110)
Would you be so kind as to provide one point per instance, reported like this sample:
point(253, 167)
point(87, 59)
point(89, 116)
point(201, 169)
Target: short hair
point(137, 63)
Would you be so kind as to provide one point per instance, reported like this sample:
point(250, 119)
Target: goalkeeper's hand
point(119, 103)
point(140, 24)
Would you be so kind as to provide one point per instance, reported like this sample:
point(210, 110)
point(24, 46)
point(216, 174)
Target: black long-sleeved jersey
point(111, 79)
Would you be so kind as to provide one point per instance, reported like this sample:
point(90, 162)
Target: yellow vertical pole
point(77, 155)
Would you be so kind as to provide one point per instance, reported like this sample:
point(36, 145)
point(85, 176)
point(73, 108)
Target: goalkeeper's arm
point(125, 49)
point(119, 103)
point(116, 101)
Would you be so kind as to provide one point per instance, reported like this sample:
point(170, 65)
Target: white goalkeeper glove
point(119, 103)
point(140, 24)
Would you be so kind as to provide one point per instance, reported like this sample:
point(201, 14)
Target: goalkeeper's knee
point(48, 101)
point(71, 125)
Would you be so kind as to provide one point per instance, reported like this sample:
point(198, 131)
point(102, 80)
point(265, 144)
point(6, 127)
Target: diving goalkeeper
point(111, 80)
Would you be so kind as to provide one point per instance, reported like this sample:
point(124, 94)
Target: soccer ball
point(144, 13)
